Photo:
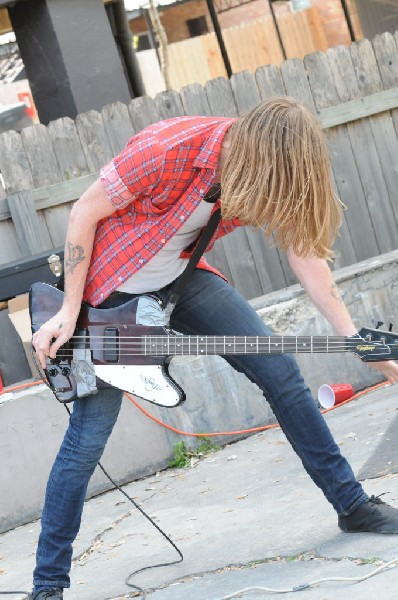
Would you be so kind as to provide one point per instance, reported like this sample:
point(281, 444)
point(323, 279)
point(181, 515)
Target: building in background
point(17, 109)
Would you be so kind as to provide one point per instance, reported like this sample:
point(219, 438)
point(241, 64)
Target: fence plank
point(382, 125)
point(45, 171)
point(150, 69)
point(94, 140)
point(266, 37)
point(297, 85)
point(40, 155)
point(189, 61)
point(14, 165)
point(118, 125)
point(15, 169)
point(143, 112)
point(245, 277)
point(63, 192)
point(213, 56)
point(367, 158)
point(68, 149)
point(353, 110)
point(385, 49)
point(169, 104)
point(27, 226)
point(9, 247)
point(269, 82)
point(72, 163)
point(220, 97)
point(244, 88)
point(344, 165)
point(252, 44)
point(53, 195)
point(194, 100)
point(316, 29)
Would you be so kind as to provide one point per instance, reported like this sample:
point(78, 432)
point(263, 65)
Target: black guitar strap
point(200, 247)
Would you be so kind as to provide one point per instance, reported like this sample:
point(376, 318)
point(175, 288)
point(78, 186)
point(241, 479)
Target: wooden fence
point(249, 46)
point(354, 92)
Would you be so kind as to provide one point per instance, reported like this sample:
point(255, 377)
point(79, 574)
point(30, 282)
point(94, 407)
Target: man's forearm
point(316, 277)
point(78, 250)
point(86, 212)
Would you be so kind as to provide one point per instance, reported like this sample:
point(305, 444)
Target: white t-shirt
point(167, 265)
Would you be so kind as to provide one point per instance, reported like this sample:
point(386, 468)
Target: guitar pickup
point(111, 345)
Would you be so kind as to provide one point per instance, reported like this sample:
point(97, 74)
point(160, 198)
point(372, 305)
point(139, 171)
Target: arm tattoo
point(334, 290)
point(75, 256)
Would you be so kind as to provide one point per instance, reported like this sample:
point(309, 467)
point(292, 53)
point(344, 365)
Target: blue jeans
point(209, 306)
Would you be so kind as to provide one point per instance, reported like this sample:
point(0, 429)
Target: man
point(127, 235)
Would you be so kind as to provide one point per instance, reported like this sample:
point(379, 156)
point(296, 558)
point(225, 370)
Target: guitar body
point(109, 347)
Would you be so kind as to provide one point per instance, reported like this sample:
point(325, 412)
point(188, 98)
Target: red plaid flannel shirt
point(155, 182)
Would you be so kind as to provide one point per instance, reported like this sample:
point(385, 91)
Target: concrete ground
point(247, 516)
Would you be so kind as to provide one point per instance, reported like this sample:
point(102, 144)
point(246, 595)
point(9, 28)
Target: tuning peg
point(378, 324)
point(390, 327)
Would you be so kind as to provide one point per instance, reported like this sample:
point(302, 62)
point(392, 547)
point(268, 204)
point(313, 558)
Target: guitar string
point(220, 340)
point(242, 338)
point(159, 352)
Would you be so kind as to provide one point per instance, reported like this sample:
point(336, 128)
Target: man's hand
point(52, 335)
point(389, 368)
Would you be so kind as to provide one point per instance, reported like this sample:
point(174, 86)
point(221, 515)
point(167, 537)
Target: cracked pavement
point(245, 516)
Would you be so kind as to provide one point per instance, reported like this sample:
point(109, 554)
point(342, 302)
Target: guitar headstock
point(374, 344)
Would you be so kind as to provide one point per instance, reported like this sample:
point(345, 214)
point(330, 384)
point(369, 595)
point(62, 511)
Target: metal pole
point(278, 33)
point(124, 38)
point(217, 29)
point(348, 20)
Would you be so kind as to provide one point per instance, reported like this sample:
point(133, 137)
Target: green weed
point(184, 455)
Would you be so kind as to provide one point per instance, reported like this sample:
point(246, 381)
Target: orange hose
point(252, 429)
point(211, 434)
point(159, 422)
point(20, 387)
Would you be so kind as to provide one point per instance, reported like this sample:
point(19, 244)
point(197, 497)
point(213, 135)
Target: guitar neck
point(222, 345)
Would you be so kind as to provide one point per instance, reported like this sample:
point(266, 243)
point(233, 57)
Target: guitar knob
point(65, 371)
point(52, 372)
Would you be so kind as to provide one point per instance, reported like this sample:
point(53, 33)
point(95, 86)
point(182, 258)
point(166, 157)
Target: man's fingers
point(47, 344)
point(56, 343)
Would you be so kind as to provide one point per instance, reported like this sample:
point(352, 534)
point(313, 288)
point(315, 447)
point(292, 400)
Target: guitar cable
point(133, 502)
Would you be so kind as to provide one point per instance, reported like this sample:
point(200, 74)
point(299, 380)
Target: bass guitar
point(130, 347)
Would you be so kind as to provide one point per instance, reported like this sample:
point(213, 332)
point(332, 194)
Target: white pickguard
point(146, 381)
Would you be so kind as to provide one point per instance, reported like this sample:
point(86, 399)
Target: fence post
point(28, 228)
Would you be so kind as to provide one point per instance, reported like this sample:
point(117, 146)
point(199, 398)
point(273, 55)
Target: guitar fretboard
point(222, 345)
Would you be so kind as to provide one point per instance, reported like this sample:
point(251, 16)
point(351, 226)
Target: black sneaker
point(53, 593)
point(373, 516)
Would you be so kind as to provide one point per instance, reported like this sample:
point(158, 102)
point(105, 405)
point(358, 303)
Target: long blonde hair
point(276, 176)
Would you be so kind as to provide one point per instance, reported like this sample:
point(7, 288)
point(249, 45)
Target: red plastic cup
point(331, 395)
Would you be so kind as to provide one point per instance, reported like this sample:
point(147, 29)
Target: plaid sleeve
point(136, 170)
